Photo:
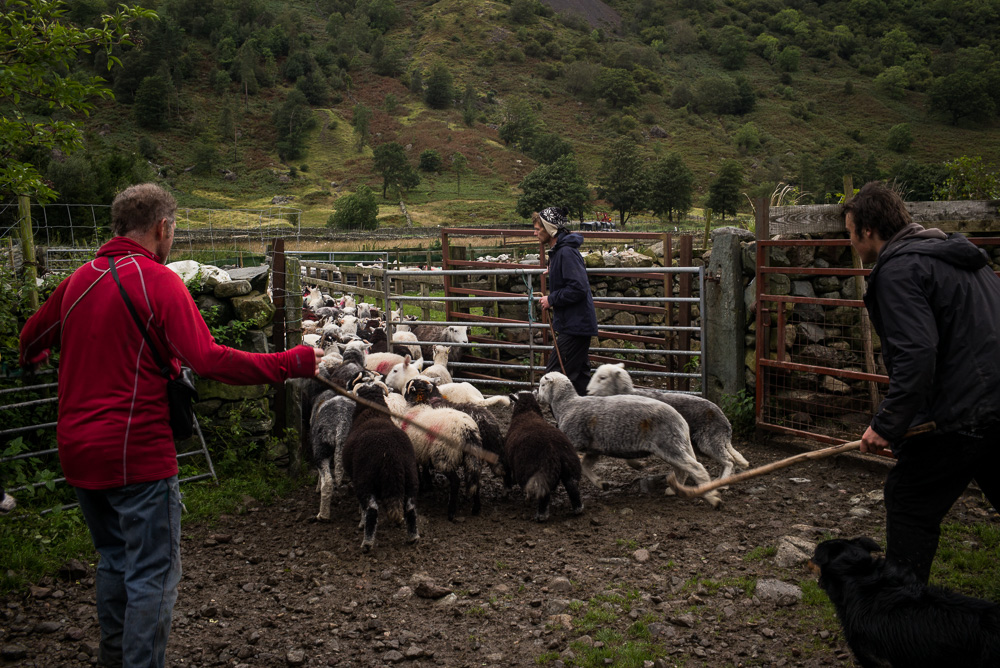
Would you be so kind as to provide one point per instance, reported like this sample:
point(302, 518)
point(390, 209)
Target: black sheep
point(539, 456)
point(379, 459)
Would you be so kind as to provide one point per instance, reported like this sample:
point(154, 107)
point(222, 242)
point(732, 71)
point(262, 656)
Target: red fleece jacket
point(113, 427)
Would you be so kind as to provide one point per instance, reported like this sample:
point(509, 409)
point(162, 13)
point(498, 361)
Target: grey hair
point(138, 208)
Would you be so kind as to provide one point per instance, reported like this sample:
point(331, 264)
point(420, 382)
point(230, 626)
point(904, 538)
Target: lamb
point(539, 457)
point(402, 373)
point(314, 299)
point(467, 393)
point(349, 325)
point(329, 425)
point(439, 334)
point(626, 426)
point(379, 459)
point(422, 390)
point(438, 372)
point(711, 432)
point(444, 457)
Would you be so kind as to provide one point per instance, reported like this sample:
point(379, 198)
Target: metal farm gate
point(657, 331)
point(819, 374)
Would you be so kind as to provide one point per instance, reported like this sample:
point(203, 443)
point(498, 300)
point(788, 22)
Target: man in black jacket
point(935, 304)
point(569, 297)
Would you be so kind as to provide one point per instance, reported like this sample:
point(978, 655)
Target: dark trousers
point(931, 473)
point(574, 351)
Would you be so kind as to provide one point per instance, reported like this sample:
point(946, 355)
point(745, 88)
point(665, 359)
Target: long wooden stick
point(685, 491)
point(485, 455)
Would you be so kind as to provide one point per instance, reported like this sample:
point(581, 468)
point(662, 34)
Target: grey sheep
point(379, 459)
point(711, 432)
point(329, 425)
point(624, 426)
point(539, 457)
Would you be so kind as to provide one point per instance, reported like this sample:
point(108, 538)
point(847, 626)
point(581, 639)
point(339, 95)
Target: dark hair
point(878, 208)
point(138, 208)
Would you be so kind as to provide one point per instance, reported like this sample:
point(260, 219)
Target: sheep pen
point(637, 573)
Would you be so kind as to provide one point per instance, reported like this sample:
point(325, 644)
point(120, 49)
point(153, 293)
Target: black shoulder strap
point(164, 369)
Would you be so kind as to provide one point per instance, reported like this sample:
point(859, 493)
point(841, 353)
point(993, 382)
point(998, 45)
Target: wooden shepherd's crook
point(685, 491)
point(485, 455)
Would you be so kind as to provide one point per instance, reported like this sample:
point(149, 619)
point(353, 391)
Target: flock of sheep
point(389, 423)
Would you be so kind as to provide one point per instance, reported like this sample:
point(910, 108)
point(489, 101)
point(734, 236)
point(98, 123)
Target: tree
point(788, 59)
point(733, 47)
point(899, 138)
point(152, 103)
point(293, 121)
point(893, 81)
point(362, 119)
point(671, 185)
point(724, 191)
point(460, 164)
point(469, 106)
point(617, 86)
point(356, 212)
point(518, 121)
point(963, 94)
point(430, 161)
point(440, 91)
point(969, 178)
point(558, 184)
point(620, 179)
point(548, 147)
point(39, 52)
point(396, 171)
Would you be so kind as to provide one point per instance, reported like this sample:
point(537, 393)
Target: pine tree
point(440, 91)
point(671, 185)
point(621, 180)
point(724, 191)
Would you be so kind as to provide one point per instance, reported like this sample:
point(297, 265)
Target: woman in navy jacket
point(569, 296)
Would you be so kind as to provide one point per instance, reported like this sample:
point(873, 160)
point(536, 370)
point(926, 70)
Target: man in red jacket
point(115, 443)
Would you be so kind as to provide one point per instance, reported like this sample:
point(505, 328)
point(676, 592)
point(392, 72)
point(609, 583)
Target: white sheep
point(467, 393)
point(444, 457)
point(315, 299)
point(382, 363)
point(311, 340)
point(400, 339)
point(438, 372)
point(402, 373)
point(349, 325)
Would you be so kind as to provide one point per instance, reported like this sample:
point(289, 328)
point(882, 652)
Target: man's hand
point(545, 302)
point(872, 443)
point(319, 355)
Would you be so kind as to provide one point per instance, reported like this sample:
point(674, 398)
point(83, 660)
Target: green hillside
point(797, 92)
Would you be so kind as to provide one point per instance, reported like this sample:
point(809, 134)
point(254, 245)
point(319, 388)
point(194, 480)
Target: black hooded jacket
point(935, 304)
point(569, 288)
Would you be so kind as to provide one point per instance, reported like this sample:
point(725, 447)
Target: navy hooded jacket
point(569, 288)
point(935, 304)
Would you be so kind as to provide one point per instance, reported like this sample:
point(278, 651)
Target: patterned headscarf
point(553, 219)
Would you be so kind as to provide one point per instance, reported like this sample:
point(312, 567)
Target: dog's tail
point(537, 487)
point(740, 460)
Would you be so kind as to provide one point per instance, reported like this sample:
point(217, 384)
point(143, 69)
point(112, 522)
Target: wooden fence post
point(28, 251)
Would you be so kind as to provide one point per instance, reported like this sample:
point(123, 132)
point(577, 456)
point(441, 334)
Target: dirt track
point(273, 587)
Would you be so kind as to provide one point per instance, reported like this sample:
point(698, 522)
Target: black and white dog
point(892, 619)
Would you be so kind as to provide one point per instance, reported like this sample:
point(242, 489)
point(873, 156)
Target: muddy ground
point(273, 587)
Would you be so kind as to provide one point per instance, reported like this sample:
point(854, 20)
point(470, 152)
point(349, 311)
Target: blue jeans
point(136, 530)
